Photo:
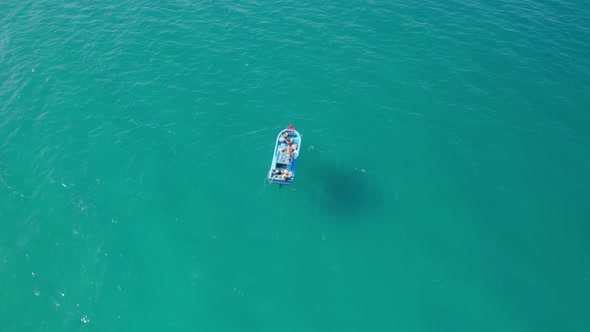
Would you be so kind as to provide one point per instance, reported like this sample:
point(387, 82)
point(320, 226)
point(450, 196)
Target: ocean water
point(443, 182)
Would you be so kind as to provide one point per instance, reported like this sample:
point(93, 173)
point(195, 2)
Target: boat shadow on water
point(346, 192)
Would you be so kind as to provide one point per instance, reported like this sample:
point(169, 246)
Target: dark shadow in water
point(346, 192)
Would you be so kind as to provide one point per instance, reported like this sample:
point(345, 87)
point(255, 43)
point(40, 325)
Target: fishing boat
point(284, 159)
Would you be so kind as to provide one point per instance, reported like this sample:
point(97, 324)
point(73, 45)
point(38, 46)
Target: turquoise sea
point(443, 182)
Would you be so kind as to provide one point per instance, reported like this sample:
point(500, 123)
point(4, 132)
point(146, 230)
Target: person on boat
point(283, 137)
point(287, 175)
point(294, 151)
point(289, 140)
point(286, 154)
point(277, 174)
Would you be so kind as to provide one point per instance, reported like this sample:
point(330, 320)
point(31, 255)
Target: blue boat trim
point(286, 154)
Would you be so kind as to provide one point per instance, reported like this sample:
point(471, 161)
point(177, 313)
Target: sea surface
point(443, 182)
